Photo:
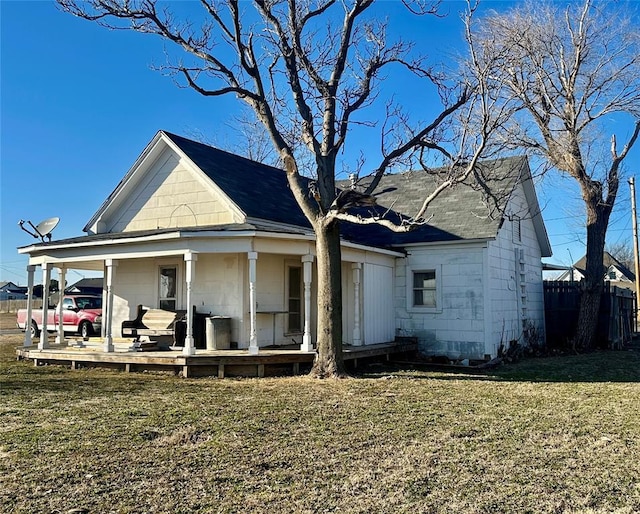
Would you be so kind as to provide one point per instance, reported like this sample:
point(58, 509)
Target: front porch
point(262, 281)
point(220, 363)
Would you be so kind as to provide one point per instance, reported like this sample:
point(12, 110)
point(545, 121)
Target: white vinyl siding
point(455, 326)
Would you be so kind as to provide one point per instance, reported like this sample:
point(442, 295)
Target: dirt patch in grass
point(537, 437)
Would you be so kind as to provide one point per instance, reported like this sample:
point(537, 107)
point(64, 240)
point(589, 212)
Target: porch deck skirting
point(220, 363)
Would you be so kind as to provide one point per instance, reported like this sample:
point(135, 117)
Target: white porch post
point(46, 280)
point(62, 272)
point(357, 337)
point(307, 344)
point(253, 336)
point(108, 319)
point(189, 343)
point(27, 324)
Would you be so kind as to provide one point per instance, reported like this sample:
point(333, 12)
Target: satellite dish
point(45, 227)
point(42, 229)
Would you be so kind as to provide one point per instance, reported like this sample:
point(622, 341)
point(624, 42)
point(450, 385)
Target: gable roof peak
point(259, 190)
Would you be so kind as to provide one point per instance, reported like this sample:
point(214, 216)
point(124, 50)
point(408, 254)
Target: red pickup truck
point(81, 313)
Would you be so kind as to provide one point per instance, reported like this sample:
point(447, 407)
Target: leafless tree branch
point(562, 72)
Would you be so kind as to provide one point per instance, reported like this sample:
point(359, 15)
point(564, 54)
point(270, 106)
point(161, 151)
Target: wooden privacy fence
point(616, 322)
point(14, 305)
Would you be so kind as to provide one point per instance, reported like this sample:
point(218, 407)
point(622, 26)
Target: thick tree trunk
point(593, 283)
point(329, 362)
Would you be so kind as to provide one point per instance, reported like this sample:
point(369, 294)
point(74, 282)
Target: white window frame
point(411, 271)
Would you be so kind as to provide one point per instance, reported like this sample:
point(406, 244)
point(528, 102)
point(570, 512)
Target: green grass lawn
point(547, 435)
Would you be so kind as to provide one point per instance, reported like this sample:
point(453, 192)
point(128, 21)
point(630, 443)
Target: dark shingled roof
point(462, 212)
point(260, 191)
point(608, 260)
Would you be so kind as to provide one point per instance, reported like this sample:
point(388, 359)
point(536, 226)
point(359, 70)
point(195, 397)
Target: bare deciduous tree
point(308, 70)
point(566, 72)
point(623, 253)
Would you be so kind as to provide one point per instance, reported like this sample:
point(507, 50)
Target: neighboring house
point(614, 272)
point(86, 286)
point(191, 225)
point(10, 291)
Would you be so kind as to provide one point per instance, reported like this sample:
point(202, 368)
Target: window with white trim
point(424, 288)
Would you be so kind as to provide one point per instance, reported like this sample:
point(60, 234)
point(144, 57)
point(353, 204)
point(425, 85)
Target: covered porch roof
point(90, 252)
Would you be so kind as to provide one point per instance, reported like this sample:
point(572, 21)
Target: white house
point(193, 226)
point(613, 271)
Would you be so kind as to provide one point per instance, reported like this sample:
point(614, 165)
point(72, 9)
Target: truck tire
point(34, 330)
point(85, 329)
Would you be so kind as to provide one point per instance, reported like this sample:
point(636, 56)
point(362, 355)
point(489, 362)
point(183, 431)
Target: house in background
point(10, 291)
point(191, 226)
point(616, 273)
point(86, 286)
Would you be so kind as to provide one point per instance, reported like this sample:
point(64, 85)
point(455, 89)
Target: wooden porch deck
point(220, 363)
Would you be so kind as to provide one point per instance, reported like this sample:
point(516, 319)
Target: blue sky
point(79, 103)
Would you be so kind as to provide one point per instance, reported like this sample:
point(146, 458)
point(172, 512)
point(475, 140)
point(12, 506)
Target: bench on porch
point(150, 323)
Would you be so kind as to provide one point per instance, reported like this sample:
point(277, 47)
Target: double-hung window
point(425, 289)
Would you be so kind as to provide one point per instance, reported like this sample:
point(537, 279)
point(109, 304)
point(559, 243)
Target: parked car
point(81, 314)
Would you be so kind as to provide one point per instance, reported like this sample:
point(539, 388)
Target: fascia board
point(140, 239)
point(459, 242)
point(148, 154)
point(101, 242)
point(170, 236)
point(34, 250)
point(536, 214)
point(146, 159)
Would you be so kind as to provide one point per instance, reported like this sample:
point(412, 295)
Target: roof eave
point(536, 213)
point(151, 149)
point(121, 185)
point(450, 242)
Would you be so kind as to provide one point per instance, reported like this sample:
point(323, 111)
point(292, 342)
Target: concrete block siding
point(456, 327)
point(487, 291)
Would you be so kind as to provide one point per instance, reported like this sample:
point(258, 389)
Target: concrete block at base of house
point(454, 350)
